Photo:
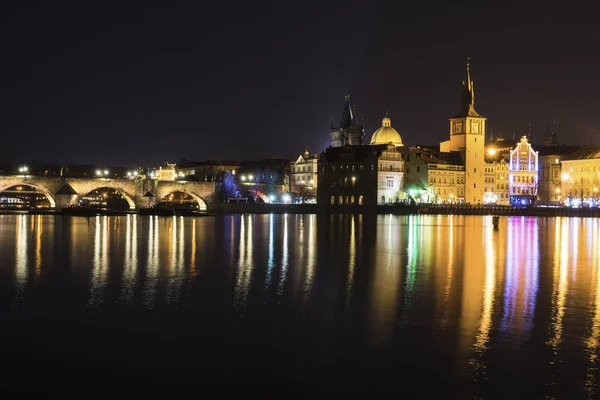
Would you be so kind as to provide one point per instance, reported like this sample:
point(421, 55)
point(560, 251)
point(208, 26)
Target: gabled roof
point(588, 153)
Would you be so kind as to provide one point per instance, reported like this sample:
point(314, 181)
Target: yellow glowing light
point(491, 151)
point(564, 176)
point(557, 190)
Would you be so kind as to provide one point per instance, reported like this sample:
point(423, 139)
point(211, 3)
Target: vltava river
point(420, 305)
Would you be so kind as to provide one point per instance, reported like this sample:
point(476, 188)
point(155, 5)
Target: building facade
point(523, 174)
point(581, 178)
point(348, 177)
point(390, 163)
point(303, 173)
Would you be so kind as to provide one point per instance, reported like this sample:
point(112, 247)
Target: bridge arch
point(41, 188)
point(122, 192)
point(202, 205)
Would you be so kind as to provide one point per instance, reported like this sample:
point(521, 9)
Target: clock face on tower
point(458, 127)
point(475, 127)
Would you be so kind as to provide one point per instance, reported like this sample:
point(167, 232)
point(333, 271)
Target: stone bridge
point(64, 191)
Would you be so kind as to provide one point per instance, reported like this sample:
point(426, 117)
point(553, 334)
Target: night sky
point(119, 83)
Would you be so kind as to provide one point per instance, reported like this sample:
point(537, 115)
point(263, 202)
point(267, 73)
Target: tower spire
point(468, 95)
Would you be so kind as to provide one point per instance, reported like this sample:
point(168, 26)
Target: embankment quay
point(260, 208)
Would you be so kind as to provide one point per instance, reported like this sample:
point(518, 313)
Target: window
point(407, 170)
point(474, 186)
point(360, 200)
point(333, 168)
point(332, 199)
point(341, 200)
point(351, 199)
point(362, 167)
point(390, 182)
point(474, 170)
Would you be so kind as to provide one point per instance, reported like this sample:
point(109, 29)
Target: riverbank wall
point(394, 209)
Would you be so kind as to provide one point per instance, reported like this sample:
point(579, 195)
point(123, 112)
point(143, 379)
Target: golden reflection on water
point(100, 262)
point(21, 256)
point(386, 268)
point(311, 259)
point(152, 265)
point(449, 268)
point(489, 288)
point(592, 342)
point(131, 259)
point(560, 284)
point(176, 257)
point(245, 262)
point(351, 259)
point(38, 229)
point(271, 259)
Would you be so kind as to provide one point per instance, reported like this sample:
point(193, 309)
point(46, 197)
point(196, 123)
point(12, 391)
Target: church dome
point(386, 134)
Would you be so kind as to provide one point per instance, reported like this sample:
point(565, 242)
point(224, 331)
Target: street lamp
point(564, 176)
point(105, 172)
point(98, 172)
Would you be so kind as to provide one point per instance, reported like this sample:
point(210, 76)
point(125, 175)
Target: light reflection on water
point(450, 283)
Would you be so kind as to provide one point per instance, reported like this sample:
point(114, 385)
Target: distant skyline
point(139, 84)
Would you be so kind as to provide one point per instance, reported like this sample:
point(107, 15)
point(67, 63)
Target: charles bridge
point(65, 191)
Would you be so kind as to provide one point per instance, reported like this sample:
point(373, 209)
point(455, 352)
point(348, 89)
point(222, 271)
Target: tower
point(467, 136)
point(349, 132)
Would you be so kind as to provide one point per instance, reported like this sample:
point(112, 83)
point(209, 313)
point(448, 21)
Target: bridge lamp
point(98, 172)
point(243, 177)
point(105, 172)
point(250, 177)
point(564, 176)
point(286, 198)
point(272, 198)
point(129, 174)
point(135, 173)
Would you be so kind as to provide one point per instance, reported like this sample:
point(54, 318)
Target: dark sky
point(120, 83)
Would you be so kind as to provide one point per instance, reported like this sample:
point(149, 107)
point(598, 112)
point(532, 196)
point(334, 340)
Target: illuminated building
point(523, 174)
point(433, 177)
point(467, 130)
point(349, 132)
point(166, 173)
point(303, 173)
point(581, 177)
point(390, 164)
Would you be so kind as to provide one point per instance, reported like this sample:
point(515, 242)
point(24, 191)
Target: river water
point(236, 304)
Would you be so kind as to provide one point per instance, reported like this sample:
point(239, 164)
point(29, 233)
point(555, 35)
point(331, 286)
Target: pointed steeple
point(306, 153)
point(529, 132)
point(348, 117)
point(467, 108)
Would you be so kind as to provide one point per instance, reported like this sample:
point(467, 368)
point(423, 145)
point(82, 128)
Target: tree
point(229, 187)
point(304, 191)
